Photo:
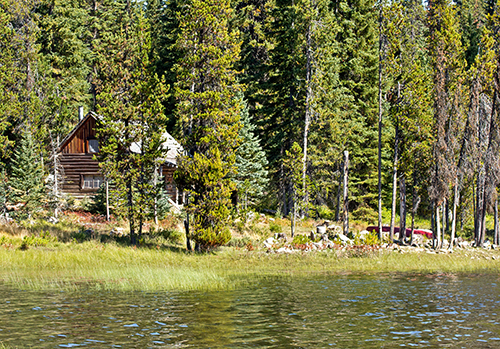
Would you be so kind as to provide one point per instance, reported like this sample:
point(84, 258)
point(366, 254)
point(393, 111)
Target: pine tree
point(26, 187)
point(129, 96)
point(208, 114)
point(251, 173)
point(63, 39)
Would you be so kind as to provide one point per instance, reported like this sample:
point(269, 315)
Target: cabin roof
point(172, 147)
point(70, 135)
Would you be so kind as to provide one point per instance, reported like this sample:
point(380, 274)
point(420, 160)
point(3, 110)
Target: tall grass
point(111, 267)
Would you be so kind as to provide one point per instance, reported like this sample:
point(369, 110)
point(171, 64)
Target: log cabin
point(81, 173)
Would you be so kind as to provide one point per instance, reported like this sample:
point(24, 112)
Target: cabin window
point(92, 181)
point(93, 146)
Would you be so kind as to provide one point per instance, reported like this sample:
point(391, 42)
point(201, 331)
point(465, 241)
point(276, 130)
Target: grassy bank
point(110, 266)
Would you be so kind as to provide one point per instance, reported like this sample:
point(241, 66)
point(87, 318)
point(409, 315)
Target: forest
point(307, 108)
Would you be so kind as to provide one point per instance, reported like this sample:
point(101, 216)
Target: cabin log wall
point(75, 167)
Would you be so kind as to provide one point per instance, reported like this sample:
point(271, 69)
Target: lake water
point(317, 312)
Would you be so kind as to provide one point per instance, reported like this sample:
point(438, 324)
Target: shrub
point(324, 212)
point(275, 228)
point(371, 239)
point(170, 235)
point(300, 239)
point(240, 242)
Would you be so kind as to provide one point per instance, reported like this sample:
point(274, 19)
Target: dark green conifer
point(251, 173)
point(26, 187)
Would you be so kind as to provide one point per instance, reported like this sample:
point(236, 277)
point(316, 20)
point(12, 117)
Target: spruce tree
point(26, 178)
point(208, 113)
point(251, 173)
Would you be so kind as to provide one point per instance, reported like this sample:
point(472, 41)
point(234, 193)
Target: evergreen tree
point(129, 96)
point(26, 187)
point(208, 114)
point(63, 39)
point(251, 173)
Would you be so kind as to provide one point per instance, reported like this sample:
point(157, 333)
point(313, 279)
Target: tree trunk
point(380, 123)
point(155, 203)
point(292, 221)
point(438, 229)
point(443, 208)
point(337, 208)
point(107, 200)
point(402, 208)
point(307, 120)
point(186, 227)
point(478, 226)
point(496, 237)
point(131, 213)
point(454, 217)
point(346, 192)
point(433, 224)
point(394, 184)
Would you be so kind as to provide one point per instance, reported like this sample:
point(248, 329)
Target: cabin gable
point(82, 140)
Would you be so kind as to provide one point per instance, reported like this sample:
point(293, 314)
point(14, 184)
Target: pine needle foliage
point(208, 113)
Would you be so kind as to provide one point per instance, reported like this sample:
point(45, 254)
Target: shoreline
point(111, 267)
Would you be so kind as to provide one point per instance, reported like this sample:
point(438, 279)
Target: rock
point(280, 236)
point(343, 239)
point(271, 219)
point(53, 220)
point(321, 229)
point(417, 239)
point(116, 232)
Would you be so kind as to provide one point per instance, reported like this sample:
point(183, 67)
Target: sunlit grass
point(111, 267)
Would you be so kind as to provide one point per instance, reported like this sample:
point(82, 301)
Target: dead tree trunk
point(402, 208)
point(438, 229)
point(443, 208)
point(454, 217)
point(496, 237)
point(337, 207)
point(346, 192)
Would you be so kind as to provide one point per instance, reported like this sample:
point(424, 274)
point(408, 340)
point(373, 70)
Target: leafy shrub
point(240, 242)
point(324, 212)
point(170, 235)
point(36, 241)
point(300, 239)
point(371, 239)
point(275, 228)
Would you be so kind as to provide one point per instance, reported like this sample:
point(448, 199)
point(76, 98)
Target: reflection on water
point(316, 312)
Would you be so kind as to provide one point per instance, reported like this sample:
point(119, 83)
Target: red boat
point(426, 233)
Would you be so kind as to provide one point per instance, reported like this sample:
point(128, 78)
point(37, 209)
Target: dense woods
point(268, 99)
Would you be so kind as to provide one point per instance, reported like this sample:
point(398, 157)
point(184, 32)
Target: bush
point(36, 241)
point(240, 242)
point(301, 239)
point(371, 239)
point(170, 235)
point(208, 238)
point(275, 228)
point(324, 212)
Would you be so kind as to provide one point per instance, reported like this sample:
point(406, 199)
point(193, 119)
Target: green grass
point(111, 267)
